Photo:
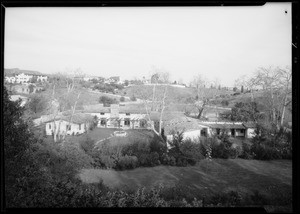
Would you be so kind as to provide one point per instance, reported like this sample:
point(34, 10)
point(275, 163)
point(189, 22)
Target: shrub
point(224, 102)
point(133, 98)
point(107, 100)
point(87, 144)
point(127, 162)
point(246, 151)
point(122, 99)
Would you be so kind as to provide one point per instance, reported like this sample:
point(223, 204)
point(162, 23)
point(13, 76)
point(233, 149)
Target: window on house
point(127, 122)
point(79, 126)
point(242, 131)
point(103, 122)
point(143, 123)
point(218, 131)
point(49, 126)
point(102, 113)
point(68, 127)
point(204, 132)
point(127, 113)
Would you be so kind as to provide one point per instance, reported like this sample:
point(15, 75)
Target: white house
point(10, 79)
point(75, 125)
point(120, 117)
point(194, 129)
point(42, 78)
point(21, 78)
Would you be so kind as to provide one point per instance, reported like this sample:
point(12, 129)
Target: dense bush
point(107, 101)
point(270, 143)
point(87, 144)
point(127, 162)
point(122, 99)
point(133, 98)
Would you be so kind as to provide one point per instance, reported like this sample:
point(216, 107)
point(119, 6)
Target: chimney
point(114, 110)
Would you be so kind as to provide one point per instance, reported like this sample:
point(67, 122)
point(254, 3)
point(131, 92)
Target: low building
point(42, 78)
point(10, 79)
point(69, 125)
point(122, 117)
point(194, 129)
point(26, 89)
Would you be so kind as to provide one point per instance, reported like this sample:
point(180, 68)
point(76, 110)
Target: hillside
point(174, 94)
point(16, 71)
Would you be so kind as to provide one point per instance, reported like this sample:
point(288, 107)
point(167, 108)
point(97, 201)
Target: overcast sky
point(217, 42)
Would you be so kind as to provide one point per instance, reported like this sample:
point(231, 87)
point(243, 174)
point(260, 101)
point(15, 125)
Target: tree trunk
point(153, 96)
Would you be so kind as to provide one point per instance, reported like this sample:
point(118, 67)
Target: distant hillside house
point(42, 78)
point(10, 79)
point(117, 116)
point(115, 80)
point(26, 89)
point(22, 78)
point(78, 124)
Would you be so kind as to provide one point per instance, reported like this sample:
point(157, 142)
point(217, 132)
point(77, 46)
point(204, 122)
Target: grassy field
point(270, 178)
point(174, 95)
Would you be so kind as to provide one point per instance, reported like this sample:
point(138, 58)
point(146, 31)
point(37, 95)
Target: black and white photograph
point(155, 106)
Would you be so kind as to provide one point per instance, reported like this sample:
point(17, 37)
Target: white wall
point(238, 133)
point(250, 132)
point(193, 135)
point(63, 127)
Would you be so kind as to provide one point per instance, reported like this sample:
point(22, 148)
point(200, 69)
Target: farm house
point(75, 125)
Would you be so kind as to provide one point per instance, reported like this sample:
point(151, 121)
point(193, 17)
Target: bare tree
point(286, 84)
point(203, 95)
point(276, 84)
point(64, 100)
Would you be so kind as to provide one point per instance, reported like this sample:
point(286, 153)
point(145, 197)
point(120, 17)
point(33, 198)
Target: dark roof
point(181, 124)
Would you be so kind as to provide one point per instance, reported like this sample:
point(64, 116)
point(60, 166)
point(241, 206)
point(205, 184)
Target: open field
point(175, 95)
point(271, 178)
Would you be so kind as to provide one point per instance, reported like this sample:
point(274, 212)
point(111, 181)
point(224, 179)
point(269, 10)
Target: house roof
point(181, 124)
point(78, 118)
point(249, 125)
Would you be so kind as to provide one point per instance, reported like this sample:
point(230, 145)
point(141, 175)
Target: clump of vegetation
point(107, 101)
point(122, 99)
point(133, 98)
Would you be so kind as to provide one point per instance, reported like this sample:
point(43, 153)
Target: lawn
point(270, 178)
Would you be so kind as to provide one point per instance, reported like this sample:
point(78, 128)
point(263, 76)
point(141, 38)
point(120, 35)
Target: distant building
point(42, 78)
point(23, 78)
point(115, 80)
point(78, 124)
point(117, 116)
point(10, 79)
point(26, 89)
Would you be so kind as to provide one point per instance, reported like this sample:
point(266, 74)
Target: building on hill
point(78, 124)
point(123, 117)
point(10, 79)
point(26, 89)
point(22, 78)
point(42, 78)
